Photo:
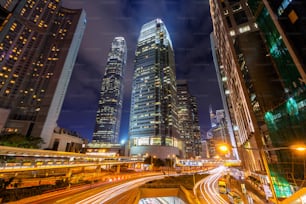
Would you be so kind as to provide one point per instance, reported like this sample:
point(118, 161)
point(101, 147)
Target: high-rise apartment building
point(39, 42)
point(188, 121)
point(153, 119)
point(110, 104)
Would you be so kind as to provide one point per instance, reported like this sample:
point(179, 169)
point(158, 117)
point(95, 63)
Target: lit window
point(293, 16)
point(244, 29)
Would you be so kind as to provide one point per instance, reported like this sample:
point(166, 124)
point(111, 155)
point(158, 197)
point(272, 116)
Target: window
point(293, 17)
point(240, 17)
point(55, 144)
point(228, 20)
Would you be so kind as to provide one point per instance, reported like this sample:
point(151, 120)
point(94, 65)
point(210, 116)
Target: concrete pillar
point(68, 174)
point(98, 169)
point(118, 169)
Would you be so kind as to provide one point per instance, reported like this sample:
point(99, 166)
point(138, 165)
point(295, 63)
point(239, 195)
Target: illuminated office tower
point(39, 42)
point(153, 119)
point(188, 120)
point(110, 104)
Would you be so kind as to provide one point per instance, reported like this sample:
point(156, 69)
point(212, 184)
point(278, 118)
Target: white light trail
point(208, 185)
point(110, 193)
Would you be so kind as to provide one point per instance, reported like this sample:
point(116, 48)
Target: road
point(91, 193)
point(206, 189)
point(110, 193)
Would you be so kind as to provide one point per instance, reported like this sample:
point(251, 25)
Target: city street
point(206, 190)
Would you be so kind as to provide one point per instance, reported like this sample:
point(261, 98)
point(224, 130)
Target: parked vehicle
point(234, 198)
point(222, 186)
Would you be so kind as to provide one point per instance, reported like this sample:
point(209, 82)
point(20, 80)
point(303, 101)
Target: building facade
point(218, 134)
point(248, 75)
point(196, 129)
point(66, 141)
point(39, 42)
point(261, 67)
point(228, 110)
point(188, 121)
point(283, 26)
point(153, 117)
point(108, 116)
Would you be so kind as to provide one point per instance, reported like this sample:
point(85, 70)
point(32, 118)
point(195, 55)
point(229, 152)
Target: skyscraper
point(153, 120)
point(257, 46)
point(39, 42)
point(110, 104)
point(283, 25)
point(188, 121)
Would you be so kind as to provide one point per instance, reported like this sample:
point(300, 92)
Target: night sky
point(189, 25)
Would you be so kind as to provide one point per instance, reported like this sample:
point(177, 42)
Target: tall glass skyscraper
point(39, 42)
point(153, 118)
point(110, 104)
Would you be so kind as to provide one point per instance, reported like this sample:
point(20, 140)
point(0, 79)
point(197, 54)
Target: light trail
point(110, 193)
point(207, 187)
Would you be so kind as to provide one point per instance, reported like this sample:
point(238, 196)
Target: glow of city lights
point(223, 148)
point(300, 148)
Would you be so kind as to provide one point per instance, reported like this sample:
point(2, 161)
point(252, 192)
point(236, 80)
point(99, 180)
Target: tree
point(19, 140)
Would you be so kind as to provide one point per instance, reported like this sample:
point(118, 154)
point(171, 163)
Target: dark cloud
point(189, 25)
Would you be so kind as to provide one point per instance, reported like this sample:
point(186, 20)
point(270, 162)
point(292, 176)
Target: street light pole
point(301, 148)
point(266, 166)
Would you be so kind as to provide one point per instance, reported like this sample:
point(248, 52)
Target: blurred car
point(234, 198)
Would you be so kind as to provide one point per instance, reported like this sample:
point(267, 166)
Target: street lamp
point(152, 161)
point(301, 148)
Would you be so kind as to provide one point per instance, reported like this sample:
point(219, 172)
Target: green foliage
point(147, 160)
point(19, 140)
point(4, 183)
point(158, 162)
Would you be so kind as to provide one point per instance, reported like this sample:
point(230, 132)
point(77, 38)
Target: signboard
point(243, 188)
point(267, 190)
